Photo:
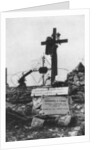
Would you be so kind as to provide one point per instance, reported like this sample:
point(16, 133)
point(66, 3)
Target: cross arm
point(58, 41)
point(43, 43)
point(62, 41)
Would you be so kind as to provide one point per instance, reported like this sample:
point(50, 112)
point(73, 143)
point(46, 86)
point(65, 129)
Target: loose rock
point(64, 120)
point(37, 122)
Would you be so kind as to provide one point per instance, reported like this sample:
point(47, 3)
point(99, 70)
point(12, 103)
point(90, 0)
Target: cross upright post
point(51, 49)
point(54, 34)
point(6, 78)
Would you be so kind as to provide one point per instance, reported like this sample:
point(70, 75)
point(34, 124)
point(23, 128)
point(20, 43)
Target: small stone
point(73, 133)
point(82, 110)
point(50, 130)
point(80, 74)
point(64, 120)
point(37, 122)
point(16, 127)
point(29, 136)
point(77, 128)
point(79, 107)
point(60, 134)
point(37, 102)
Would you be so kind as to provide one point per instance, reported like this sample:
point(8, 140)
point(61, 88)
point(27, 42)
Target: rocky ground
point(20, 131)
point(18, 103)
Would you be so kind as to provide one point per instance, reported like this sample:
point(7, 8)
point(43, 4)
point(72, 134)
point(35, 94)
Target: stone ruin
point(19, 103)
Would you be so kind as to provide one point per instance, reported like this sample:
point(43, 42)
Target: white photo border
point(42, 142)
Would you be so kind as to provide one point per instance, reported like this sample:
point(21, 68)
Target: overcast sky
point(24, 37)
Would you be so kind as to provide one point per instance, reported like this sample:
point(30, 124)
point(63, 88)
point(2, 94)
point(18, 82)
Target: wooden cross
point(51, 49)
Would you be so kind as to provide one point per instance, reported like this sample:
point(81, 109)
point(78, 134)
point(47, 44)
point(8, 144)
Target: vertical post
point(54, 34)
point(6, 77)
point(53, 57)
point(43, 62)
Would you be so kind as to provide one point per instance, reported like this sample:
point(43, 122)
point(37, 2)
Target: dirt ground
point(20, 131)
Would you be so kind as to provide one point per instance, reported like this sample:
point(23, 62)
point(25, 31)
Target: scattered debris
point(22, 118)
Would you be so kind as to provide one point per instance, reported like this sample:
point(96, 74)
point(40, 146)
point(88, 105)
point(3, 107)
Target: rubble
point(37, 122)
point(19, 105)
point(76, 81)
point(64, 120)
point(18, 95)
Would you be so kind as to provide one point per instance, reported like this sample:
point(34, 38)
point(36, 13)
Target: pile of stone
point(19, 108)
point(76, 79)
point(76, 82)
point(17, 95)
point(20, 101)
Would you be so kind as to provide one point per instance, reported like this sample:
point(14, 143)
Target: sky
point(24, 49)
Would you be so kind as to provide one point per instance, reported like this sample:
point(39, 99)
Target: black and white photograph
point(45, 94)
